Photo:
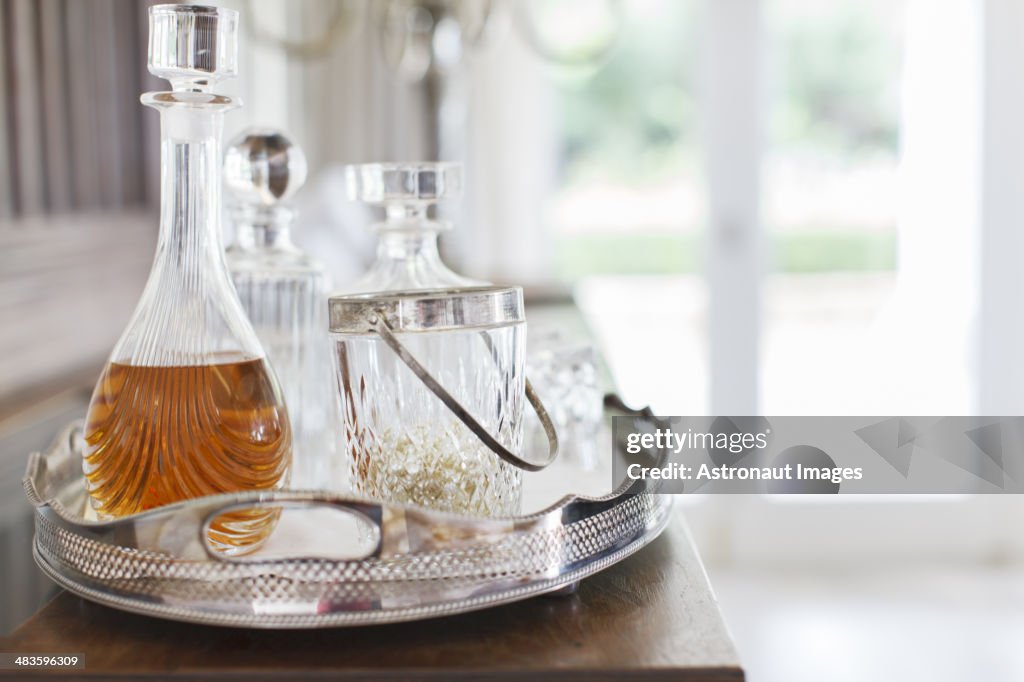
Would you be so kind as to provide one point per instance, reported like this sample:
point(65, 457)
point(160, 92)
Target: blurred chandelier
point(426, 43)
point(421, 36)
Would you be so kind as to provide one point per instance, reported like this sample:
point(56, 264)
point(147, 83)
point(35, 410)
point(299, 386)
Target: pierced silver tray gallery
point(398, 563)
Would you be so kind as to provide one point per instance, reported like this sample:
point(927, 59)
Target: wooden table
point(652, 616)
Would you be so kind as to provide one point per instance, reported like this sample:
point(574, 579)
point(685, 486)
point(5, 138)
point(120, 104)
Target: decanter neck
point(264, 229)
point(414, 243)
point(189, 313)
point(190, 203)
point(408, 258)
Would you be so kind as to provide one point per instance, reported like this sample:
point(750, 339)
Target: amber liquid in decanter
point(146, 446)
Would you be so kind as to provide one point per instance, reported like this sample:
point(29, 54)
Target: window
point(831, 197)
point(628, 208)
point(629, 193)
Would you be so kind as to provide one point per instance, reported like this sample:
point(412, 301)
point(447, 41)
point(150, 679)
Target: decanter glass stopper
point(404, 189)
point(193, 46)
point(263, 168)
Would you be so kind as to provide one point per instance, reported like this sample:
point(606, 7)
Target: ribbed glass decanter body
point(284, 293)
point(188, 405)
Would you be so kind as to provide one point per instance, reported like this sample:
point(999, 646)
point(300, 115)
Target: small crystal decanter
point(188, 405)
point(407, 254)
point(284, 292)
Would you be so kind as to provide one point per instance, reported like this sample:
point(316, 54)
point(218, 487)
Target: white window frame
point(769, 529)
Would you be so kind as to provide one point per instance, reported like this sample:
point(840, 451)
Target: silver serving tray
point(403, 563)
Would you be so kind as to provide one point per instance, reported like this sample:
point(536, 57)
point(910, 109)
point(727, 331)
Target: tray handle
point(61, 455)
point(369, 515)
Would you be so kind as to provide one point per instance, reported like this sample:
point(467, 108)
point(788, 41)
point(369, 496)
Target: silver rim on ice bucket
point(435, 310)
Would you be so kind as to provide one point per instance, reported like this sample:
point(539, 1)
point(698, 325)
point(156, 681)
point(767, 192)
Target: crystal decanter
point(284, 292)
point(188, 404)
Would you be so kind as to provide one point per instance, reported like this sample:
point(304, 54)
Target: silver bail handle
point(380, 326)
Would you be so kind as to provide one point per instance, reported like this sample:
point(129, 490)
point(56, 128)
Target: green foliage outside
point(633, 121)
point(834, 73)
point(654, 254)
